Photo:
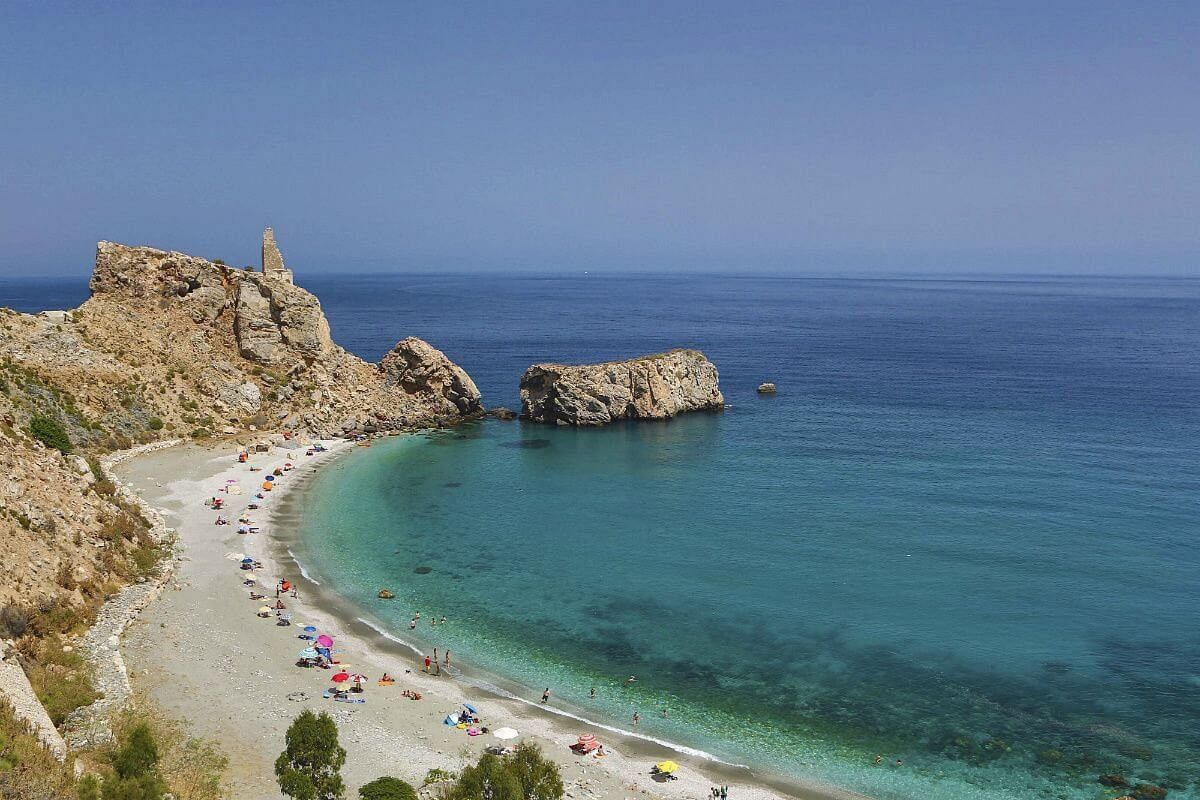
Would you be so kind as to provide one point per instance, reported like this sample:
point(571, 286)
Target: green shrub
point(155, 424)
point(136, 765)
point(387, 789)
point(50, 433)
point(525, 775)
point(201, 433)
point(310, 766)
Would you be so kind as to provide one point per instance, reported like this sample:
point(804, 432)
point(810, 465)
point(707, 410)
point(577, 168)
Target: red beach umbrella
point(341, 677)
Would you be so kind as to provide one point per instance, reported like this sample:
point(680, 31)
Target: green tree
point(387, 789)
point(309, 768)
point(47, 431)
point(539, 776)
point(490, 779)
point(524, 775)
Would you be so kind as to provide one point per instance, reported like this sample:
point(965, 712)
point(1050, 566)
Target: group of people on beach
point(350, 685)
point(434, 664)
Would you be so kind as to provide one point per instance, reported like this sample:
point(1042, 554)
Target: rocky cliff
point(171, 345)
point(651, 387)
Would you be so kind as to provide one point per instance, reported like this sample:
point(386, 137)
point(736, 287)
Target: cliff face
point(650, 387)
point(172, 346)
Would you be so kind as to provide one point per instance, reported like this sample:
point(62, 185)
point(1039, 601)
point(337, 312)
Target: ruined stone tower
point(272, 259)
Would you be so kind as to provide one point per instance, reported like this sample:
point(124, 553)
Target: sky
point(831, 138)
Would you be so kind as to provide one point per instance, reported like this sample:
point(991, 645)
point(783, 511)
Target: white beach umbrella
point(505, 733)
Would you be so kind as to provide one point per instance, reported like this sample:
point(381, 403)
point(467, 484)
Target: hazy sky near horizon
point(815, 137)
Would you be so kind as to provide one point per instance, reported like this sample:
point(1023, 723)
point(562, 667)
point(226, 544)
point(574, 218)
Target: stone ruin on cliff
point(272, 259)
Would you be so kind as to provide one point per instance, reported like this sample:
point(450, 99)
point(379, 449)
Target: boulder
point(650, 387)
point(766, 388)
point(500, 412)
point(419, 368)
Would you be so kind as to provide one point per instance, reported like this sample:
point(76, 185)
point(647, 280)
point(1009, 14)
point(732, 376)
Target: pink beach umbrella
point(324, 640)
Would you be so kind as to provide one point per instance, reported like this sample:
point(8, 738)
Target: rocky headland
point(649, 387)
point(172, 346)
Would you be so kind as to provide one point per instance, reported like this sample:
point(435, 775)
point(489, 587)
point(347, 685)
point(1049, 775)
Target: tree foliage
point(524, 775)
point(310, 766)
point(387, 788)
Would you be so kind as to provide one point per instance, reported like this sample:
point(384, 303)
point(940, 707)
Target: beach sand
point(203, 656)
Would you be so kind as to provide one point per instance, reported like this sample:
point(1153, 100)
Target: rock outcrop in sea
point(650, 387)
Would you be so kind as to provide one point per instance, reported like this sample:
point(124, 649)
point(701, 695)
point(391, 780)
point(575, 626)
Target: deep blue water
point(963, 534)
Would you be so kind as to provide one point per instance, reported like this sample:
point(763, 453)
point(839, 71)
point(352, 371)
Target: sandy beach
point(204, 656)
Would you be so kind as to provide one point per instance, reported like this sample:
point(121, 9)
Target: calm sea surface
point(963, 535)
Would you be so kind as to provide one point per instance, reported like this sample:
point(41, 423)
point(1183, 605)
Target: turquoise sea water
point(963, 534)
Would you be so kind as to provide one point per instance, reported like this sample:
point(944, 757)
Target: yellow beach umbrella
point(667, 767)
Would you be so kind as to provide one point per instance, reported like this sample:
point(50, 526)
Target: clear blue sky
point(818, 137)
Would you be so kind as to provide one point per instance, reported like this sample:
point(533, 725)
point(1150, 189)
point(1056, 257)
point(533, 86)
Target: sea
point(955, 556)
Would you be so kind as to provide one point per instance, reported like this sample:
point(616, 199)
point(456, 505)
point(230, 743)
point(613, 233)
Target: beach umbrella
point(358, 677)
point(310, 628)
point(247, 560)
point(341, 677)
point(470, 708)
point(505, 733)
point(324, 640)
point(271, 478)
point(667, 767)
point(265, 610)
point(308, 652)
point(232, 480)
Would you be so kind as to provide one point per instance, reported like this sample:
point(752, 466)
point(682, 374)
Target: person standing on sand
point(447, 658)
point(546, 695)
point(427, 663)
point(435, 658)
point(437, 667)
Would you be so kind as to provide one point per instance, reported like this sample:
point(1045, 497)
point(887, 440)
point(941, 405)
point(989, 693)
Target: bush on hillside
point(49, 432)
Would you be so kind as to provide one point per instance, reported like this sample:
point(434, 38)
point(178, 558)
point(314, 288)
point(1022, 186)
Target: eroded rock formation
point(420, 368)
point(650, 387)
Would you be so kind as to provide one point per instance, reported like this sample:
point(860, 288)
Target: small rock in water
point(423, 570)
point(766, 388)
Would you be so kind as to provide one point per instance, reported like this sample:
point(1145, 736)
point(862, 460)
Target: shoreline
point(394, 724)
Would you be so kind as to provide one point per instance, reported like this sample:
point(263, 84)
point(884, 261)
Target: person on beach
point(437, 667)
point(447, 658)
point(435, 658)
point(427, 663)
point(636, 718)
point(664, 713)
point(878, 759)
point(546, 695)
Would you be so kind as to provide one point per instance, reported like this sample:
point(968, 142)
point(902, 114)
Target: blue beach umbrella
point(310, 628)
point(271, 477)
point(308, 652)
point(470, 708)
point(247, 560)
